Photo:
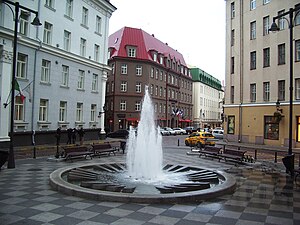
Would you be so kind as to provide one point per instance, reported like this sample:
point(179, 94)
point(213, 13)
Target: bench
point(211, 151)
point(232, 154)
point(101, 148)
point(75, 151)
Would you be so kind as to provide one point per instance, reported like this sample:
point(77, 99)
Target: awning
point(132, 119)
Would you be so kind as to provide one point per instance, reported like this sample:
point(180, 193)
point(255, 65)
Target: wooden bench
point(75, 151)
point(211, 151)
point(233, 154)
point(101, 148)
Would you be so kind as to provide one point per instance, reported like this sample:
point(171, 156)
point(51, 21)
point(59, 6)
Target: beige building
point(258, 73)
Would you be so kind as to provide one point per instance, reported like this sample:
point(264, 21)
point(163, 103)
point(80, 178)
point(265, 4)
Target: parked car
point(122, 133)
point(179, 130)
point(190, 130)
point(171, 131)
point(217, 133)
point(164, 132)
point(200, 139)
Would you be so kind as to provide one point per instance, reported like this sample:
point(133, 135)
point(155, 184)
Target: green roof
point(199, 75)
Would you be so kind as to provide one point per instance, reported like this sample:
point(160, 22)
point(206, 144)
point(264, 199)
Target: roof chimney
point(152, 35)
point(166, 43)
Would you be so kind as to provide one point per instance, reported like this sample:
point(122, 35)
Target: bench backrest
point(101, 146)
point(75, 149)
point(234, 152)
point(212, 149)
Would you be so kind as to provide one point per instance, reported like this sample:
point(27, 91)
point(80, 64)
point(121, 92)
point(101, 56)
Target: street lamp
point(36, 22)
point(275, 28)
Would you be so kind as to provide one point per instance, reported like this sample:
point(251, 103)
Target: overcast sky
point(195, 28)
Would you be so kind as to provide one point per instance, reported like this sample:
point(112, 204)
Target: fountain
point(143, 178)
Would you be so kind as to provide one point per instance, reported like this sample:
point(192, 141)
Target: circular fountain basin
point(110, 182)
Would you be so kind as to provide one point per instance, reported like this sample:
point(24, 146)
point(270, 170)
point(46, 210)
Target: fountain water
point(144, 150)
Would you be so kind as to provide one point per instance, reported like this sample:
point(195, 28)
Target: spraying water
point(144, 150)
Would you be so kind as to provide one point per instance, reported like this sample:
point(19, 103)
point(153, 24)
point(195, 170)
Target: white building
point(61, 65)
point(207, 100)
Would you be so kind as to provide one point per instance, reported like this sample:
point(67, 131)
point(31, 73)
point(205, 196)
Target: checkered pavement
point(262, 197)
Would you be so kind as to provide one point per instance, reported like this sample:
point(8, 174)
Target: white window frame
point(232, 10)
point(252, 4)
point(297, 50)
point(62, 111)
point(49, 3)
point(69, 8)
point(266, 1)
point(81, 77)
point(123, 87)
point(124, 69)
point(98, 24)
point(253, 30)
point(79, 112)
point(131, 52)
point(252, 92)
point(45, 71)
point(96, 53)
point(139, 70)
point(82, 47)
point(93, 112)
point(43, 110)
point(22, 66)
point(95, 82)
point(138, 87)
point(266, 91)
point(19, 109)
point(24, 23)
point(67, 40)
point(85, 16)
point(123, 105)
point(281, 21)
point(47, 38)
point(266, 25)
point(137, 106)
point(297, 89)
point(65, 76)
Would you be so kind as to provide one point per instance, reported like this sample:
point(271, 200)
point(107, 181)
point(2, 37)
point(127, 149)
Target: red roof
point(144, 42)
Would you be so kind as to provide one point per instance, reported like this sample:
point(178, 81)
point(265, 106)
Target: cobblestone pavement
point(264, 195)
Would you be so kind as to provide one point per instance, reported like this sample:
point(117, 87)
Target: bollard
point(255, 154)
point(33, 143)
point(178, 142)
point(275, 161)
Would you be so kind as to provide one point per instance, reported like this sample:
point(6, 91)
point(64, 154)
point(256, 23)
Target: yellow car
point(200, 139)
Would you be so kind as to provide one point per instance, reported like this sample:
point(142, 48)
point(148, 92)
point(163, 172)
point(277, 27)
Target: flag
point(17, 88)
point(28, 90)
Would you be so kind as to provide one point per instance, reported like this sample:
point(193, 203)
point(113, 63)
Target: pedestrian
point(81, 134)
point(74, 135)
point(69, 131)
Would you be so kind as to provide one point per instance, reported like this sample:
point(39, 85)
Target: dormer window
point(131, 52)
point(161, 60)
point(154, 57)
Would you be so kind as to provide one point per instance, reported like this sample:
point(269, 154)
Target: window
point(138, 87)
point(154, 57)
point(67, 40)
point(50, 3)
point(137, 106)
point(281, 21)
point(252, 30)
point(232, 94)
point(297, 14)
point(79, 112)
point(152, 72)
point(69, 8)
point(139, 70)
point(82, 47)
point(266, 62)
point(281, 90)
point(95, 82)
point(47, 33)
point(93, 112)
point(252, 4)
point(160, 91)
point(123, 86)
point(232, 10)
point(24, 18)
point(266, 1)
point(232, 65)
point(80, 83)
point(131, 52)
point(156, 74)
point(45, 72)
point(231, 125)
point(266, 24)
point(253, 92)
point(21, 65)
point(161, 76)
point(232, 38)
point(65, 76)
point(98, 24)
point(271, 128)
point(252, 60)
point(85, 14)
point(281, 54)
point(298, 129)
point(19, 109)
point(266, 91)
point(123, 105)
point(62, 111)
point(112, 86)
point(43, 112)
point(297, 50)
point(96, 53)
point(297, 88)
point(124, 69)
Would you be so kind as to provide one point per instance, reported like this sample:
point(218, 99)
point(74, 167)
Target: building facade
point(138, 59)
point(61, 65)
point(257, 73)
point(207, 100)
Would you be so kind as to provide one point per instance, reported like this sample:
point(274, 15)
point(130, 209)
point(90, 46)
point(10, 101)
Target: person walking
point(81, 134)
point(74, 135)
point(69, 131)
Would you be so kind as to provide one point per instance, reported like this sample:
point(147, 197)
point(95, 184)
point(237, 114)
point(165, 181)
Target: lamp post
point(275, 28)
point(36, 22)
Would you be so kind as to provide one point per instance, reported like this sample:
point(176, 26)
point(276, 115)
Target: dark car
point(118, 134)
